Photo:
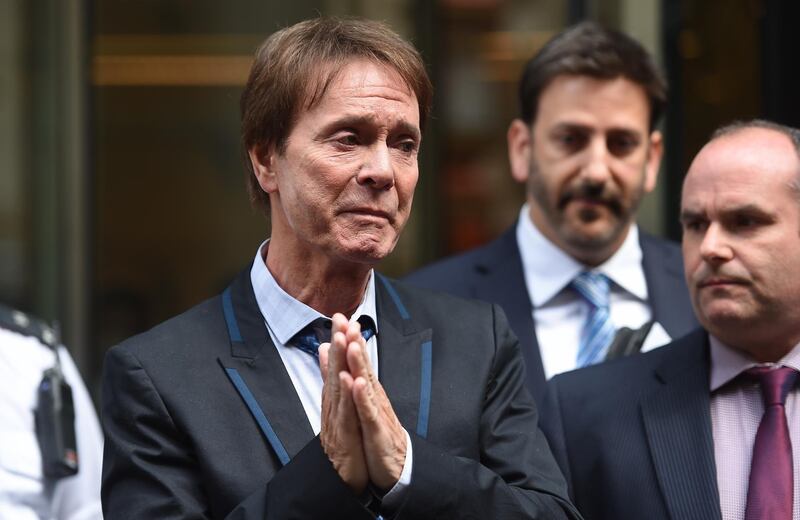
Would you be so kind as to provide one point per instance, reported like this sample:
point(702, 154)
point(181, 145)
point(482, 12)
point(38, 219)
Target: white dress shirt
point(284, 317)
point(736, 411)
point(25, 494)
point(559, 313)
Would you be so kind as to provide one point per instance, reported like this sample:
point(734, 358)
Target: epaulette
point(28, 325)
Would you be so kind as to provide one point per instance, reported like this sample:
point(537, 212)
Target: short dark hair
point(588, 49)
point(294, 67)
point(792, 133)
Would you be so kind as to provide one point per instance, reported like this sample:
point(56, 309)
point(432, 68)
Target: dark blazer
point(494, 273)
point(633, 435)
point(200, 413)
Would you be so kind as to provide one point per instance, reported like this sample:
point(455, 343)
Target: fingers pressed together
point(360, 432)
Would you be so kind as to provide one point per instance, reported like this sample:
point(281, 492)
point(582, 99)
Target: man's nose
point(715, 247)
point(378, 169)
point(596, 169)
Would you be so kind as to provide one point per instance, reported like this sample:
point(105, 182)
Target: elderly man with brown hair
point(314, 387)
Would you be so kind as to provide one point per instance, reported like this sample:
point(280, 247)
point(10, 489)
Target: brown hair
point(294, 67)
point(587, 49)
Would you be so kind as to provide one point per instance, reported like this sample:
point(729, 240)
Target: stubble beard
point(575, 234)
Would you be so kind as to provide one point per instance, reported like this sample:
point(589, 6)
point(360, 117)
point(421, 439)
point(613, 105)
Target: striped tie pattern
point(598, 331)
point(318, 331)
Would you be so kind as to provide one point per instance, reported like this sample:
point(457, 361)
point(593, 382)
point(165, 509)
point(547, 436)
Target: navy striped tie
point(598, 331)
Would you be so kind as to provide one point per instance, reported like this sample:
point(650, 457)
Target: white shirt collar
point(286, 316)
point(548, 269)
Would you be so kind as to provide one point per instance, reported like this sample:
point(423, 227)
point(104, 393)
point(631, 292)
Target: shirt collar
point(727, 362)
point(285, 315)
point(548, 269)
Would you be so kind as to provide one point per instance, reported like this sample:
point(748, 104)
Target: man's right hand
point(340, 434)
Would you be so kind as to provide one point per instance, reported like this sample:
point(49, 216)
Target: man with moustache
point(414, 408)
point(575, 268)
point(707, 427)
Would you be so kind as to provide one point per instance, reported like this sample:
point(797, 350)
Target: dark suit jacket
point(633, 435)
point(494, 273)
point(186, 439)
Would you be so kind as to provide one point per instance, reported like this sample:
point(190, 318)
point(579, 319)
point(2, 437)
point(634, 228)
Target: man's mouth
point(593, 203)
point(369, 212)
point(719, 281)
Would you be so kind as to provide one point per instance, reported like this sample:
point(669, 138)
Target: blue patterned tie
point(318, 331)
point(598, 331)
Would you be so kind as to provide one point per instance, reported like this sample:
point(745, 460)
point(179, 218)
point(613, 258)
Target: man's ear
point(520, 143)
point(263, 160)
point(655, 150)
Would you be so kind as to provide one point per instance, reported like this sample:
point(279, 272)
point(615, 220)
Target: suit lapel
point(260, 367)
point(678, 428)
point(401, 359)
point(401, 346)
point(502, 281)
point(663, 272)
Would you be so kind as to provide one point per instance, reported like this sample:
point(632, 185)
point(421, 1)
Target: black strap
point(627, 341)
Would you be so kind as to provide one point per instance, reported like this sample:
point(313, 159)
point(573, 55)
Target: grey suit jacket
point(494, 273)
point(202, 420)
point(633, 435)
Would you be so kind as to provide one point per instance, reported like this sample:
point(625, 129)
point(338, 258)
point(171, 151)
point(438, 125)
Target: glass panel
point(16, 273)
point(485, 45)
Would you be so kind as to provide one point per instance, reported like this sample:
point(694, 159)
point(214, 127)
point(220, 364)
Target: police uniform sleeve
point(78, 497)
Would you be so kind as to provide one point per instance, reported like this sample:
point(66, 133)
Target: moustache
point(595, 193)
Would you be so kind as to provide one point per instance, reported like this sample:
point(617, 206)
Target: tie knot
point(775, 383)
point(319, 331)
point(312, 335)
point(593, 287)
point(367, 326)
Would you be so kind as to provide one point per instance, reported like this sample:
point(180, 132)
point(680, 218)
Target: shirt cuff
point(394, 497)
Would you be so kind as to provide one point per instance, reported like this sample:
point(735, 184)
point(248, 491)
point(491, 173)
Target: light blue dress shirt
point(284, 317)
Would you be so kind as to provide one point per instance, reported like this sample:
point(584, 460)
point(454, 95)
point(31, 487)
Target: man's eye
point(571, 141)
point(348, 140)
point(693, 225)
point(745, 221)
point(407, 146)
point(622, 145)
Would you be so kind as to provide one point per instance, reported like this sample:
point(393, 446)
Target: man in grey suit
point(708, 427)
point(313, 387)
point(587, 147)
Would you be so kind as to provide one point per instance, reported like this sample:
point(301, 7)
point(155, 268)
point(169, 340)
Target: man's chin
point(596, 235)
point(722, 313)
point(730, 327)
point(368, 251)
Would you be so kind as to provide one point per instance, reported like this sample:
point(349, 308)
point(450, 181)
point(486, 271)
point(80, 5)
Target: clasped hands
point(360, 432)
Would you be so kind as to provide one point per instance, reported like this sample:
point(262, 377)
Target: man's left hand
point(383, 437)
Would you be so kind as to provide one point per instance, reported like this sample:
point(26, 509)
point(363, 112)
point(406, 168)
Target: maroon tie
point(769, 495)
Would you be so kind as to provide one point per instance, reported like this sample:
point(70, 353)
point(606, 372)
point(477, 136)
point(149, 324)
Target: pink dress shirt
point(736, 410)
